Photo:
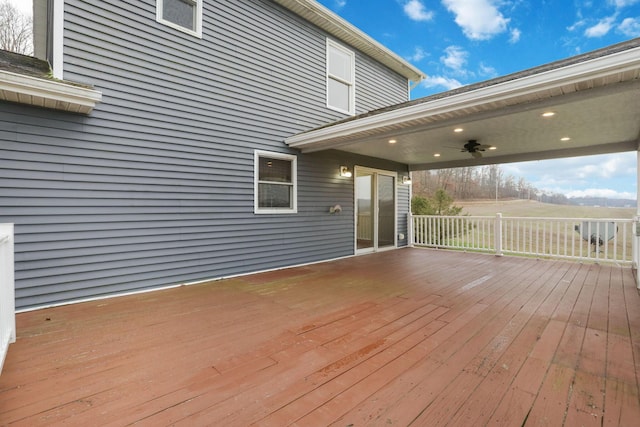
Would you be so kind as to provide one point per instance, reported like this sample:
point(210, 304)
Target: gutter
point(46, 93)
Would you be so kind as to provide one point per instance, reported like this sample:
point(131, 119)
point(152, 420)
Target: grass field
point(530, 208)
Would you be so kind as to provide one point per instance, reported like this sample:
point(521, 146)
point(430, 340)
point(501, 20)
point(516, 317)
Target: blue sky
point(458, 42)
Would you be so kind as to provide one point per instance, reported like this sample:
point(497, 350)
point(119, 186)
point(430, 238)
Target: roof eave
point(600, 67)
point(322, 17)
point(46, 93)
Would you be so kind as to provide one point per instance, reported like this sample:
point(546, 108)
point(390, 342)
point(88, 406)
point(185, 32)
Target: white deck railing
point(7, 292)
point(585, 239)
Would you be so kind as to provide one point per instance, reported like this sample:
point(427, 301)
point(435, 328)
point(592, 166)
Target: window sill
point(275, 211)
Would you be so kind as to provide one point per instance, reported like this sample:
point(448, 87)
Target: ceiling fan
point(475, 148)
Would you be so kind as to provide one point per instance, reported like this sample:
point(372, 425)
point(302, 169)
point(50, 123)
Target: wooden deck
point(409, 337)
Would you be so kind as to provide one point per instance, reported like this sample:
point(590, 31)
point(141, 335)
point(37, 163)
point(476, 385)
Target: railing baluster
point(543, 237)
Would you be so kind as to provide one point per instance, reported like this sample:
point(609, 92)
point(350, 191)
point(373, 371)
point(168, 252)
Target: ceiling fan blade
point(476, 154)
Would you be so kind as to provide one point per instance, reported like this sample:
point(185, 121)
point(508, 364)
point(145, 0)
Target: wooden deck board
point(485, 399)
point(408, 337)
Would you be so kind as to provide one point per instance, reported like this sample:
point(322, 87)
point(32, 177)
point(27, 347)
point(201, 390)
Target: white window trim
point(352, 84)
point(57, 67)
point(198, 22)
point(294, 181)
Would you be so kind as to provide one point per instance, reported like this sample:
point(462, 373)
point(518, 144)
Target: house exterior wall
point(156, 187)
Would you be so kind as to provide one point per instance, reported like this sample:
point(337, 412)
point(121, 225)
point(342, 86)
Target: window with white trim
point(340, 78)
point(183, 15)
point(275, 183)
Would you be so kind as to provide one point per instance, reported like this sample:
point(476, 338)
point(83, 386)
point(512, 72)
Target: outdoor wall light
point(406, 180)
point(335, 209)
point(345, 172)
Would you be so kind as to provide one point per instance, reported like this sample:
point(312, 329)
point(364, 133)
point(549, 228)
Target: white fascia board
point(619, 62)
point(69, 97)
point(324, 18)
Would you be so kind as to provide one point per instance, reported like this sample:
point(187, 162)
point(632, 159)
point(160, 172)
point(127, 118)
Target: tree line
point(479, 182)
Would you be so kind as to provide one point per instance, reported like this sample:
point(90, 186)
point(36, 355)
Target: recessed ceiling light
point(392, 141)
point(548, 114)
point(565, 139)
point(436, 155)
point(458, 130)
point(493, 148)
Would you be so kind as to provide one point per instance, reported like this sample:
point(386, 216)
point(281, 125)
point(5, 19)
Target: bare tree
point(479, 182)
point(16, 29)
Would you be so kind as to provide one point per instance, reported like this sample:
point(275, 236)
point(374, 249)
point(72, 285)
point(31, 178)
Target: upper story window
point(275, 183)
point(340, 78)
point(183, 15)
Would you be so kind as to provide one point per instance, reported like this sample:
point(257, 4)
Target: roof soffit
point(598, 99)
point(592, 78)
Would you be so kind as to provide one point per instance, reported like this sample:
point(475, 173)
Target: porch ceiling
point(595, 98)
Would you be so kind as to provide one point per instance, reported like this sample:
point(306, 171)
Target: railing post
point(498, 234)
point(635, 248)
point(7, 291)
point(410, 227)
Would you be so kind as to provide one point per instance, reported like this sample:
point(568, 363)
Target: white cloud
point(576, 25)
point(630, 27)
point(601, 192)
point(455, 57)
point(622, 3)
point(341, 3)
point(441, 81)
point(515, 36)
point(488, 71)
point(613, 165)
point(479, 19)
point(416, 11)
point(601, 28)
point(610, 174)
point(418, 54)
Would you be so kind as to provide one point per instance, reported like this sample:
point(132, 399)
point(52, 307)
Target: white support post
point(634, 241)
point(7, 291)
point(410, 230)
point(498, 234)
point(57, 67)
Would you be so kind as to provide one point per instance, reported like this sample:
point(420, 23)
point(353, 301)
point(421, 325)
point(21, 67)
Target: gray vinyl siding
point(372, 85)
point(155, 187)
